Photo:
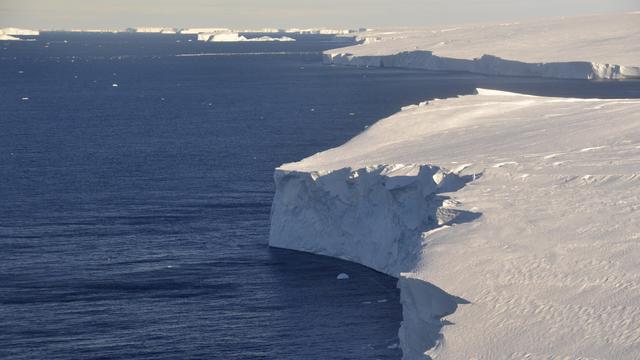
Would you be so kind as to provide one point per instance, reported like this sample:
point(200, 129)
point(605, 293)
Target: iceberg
point(196, 31)
point(12, 34)
point(510, 221)
point(156, 30)
point(5, 37)
point(583, 47)
point(342, 276)
point(235, 37)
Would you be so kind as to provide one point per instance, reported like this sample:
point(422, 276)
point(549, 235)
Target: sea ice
point(342, 276)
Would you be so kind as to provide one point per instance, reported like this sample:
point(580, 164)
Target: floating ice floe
point(342, 276)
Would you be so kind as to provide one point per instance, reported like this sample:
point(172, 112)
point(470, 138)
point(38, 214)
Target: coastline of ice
point(524, 249)
point(585, 47)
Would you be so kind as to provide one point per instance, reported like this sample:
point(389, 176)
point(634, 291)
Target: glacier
point(510, 221)
point(582, 47)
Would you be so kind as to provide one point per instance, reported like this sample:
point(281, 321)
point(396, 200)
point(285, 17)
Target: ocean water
point(135, 192)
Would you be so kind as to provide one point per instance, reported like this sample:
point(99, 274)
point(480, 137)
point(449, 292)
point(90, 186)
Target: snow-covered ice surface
point(513, 225)
point(585, 47)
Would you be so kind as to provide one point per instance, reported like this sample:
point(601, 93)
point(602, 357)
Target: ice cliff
point(373, 215)
point(236, 37)
point(586, 47)
point(526, 248)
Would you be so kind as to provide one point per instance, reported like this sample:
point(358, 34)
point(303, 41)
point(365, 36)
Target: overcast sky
point(65, 14)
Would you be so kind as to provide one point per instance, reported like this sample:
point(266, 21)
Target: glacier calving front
point(511, 221)
point(526, 248)
point(586, 47)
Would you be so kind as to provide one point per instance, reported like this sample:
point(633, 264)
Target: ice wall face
point(487, 65)
point(549, 271)
point(374, 216)
point(378, 216)
point(588, 47)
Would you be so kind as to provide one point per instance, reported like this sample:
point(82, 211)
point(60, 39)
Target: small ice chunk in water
point(342, 276)
point(114, 85)
point(393, 346)
point(25, 98)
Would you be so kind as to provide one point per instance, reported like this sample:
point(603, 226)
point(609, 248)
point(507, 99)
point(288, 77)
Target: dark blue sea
point(135, 192)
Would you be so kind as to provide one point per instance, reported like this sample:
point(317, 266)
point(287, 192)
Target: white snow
point(508, 256)
point(585, 47)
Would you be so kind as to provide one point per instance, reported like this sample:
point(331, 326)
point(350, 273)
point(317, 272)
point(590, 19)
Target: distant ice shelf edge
point(486, 65)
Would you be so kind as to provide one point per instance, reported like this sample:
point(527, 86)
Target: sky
point(68, 14)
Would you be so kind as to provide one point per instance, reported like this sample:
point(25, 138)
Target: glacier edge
point(486, 65)
point(378, 216)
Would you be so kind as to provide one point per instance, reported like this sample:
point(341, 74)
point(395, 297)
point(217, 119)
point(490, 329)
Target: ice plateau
point(510, 221)
point(584, 47)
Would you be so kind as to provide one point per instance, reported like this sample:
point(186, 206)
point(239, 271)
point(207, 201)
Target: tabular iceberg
point(17, 31)
point(235, 37)
point(11, 34)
